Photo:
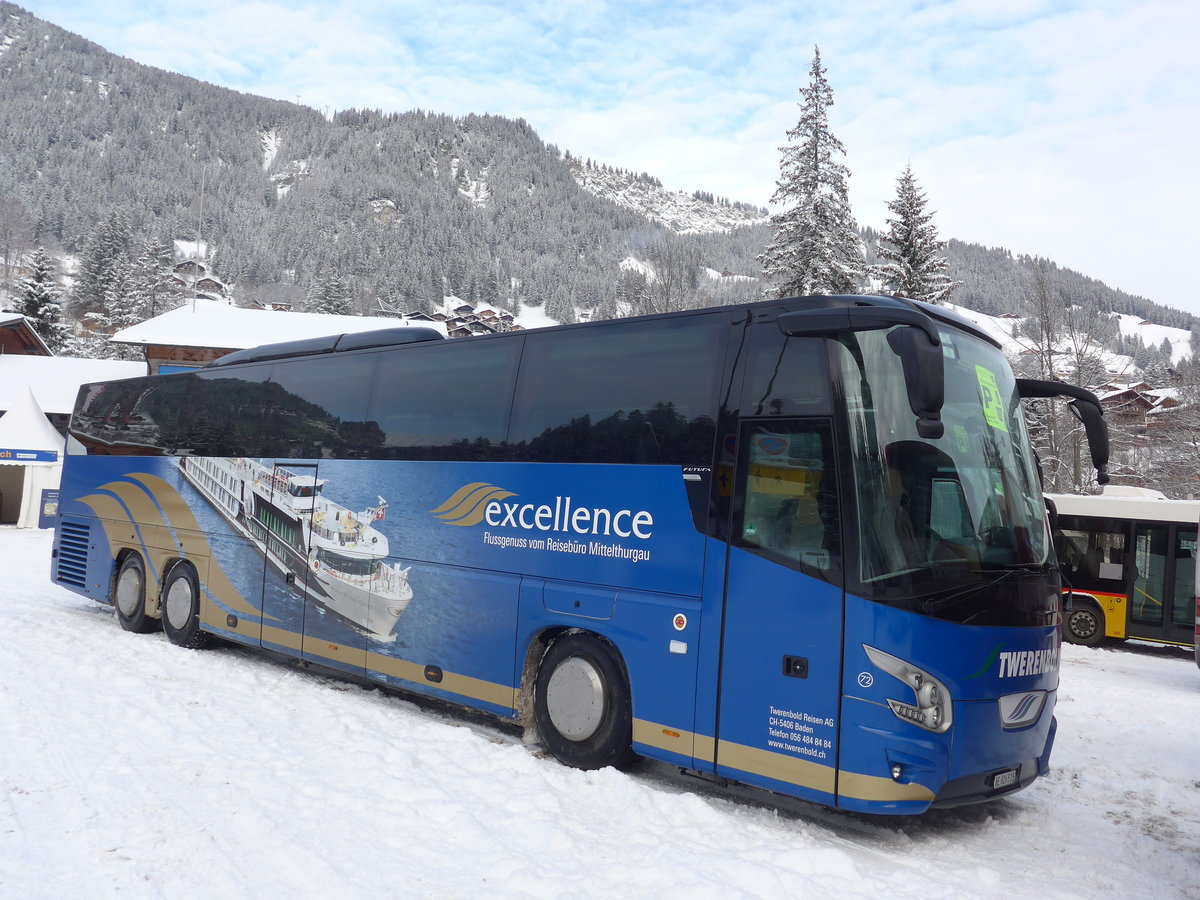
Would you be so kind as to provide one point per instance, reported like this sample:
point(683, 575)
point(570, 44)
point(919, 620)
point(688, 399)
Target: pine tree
point(105, 254)
point(40, 301)
point(914, 267)
point(150, 280)
point(330, 294)
point(816, 248)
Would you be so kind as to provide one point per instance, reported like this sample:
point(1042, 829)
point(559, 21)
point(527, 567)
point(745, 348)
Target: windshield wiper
point(1000, 573)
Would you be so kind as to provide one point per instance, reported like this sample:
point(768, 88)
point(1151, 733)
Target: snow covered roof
point(55, 380)
point(208, 323)
point(19, 335)
point(24, 428)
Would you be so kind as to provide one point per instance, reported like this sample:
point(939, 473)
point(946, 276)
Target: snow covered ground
point(130, 767)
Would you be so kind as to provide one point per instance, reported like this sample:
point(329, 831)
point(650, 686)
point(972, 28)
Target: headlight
point(932, 709)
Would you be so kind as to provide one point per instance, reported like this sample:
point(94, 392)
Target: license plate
point(1004, 779)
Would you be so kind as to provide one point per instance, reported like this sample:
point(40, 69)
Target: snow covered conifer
point(816, 248)
point(913, 266)
point(331, 294)
point(41, 301)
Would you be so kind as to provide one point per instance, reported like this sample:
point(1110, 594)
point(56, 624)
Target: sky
point(1058, 128)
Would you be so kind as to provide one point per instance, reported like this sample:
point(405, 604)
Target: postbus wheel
point(582, 705)
point(181, 608)
point(1084, 624)
point(129, 596)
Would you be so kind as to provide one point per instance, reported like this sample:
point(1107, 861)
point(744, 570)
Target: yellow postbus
point(1128, 560)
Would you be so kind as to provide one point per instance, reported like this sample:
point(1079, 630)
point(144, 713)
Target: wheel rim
point(178, 605)
point(1084, 624)
point(129, 591)
point(575, 697)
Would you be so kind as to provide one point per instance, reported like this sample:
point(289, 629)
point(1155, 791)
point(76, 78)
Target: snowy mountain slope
point(682, 213)
point(1153, 335)
point(1004, 330)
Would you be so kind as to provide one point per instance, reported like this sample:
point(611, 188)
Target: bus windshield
point(953, 526)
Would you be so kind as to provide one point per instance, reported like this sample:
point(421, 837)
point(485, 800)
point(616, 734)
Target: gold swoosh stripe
point(458, 496)
point(118, 529)
point(875, 787)
point(778, 766)
point(471, 509)
point(192, 540)
point(158, 543)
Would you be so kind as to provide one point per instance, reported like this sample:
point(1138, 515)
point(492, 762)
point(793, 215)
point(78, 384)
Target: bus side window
point(789, 507)
point(620, 393)
point(1092, 551)
point(1183, 609)
point(441, 400)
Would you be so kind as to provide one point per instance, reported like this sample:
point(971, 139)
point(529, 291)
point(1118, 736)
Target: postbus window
point(622, 393)
point(1147, 602)
point(1184, 605)
point(448, 400)
point(1092, 550)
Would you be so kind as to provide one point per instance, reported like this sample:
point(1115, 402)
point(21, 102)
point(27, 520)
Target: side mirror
point(1096, 429)
point(1084, 406)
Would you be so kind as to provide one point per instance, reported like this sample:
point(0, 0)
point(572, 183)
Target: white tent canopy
point(31, 452)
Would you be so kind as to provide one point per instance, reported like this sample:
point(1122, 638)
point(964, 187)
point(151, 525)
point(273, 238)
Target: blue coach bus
point(796, 544)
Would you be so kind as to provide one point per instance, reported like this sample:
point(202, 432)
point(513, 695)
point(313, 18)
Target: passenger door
point(1162, 596)
point(783, 617)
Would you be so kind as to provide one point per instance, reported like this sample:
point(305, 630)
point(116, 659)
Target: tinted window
point(204, 414)
point(623, 393)
point(317, 407)
point(788, 489)
point(137, 415)
point(785, 376)
point(225, 413)
point(445, 400)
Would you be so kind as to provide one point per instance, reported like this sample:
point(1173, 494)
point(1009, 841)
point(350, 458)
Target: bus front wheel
point(1084, 624)
point(181, 608)
point(582, 705)
point(129, 596)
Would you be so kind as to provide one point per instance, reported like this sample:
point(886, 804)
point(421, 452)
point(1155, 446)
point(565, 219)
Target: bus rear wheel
point(181, 608)
point(129, 596)
point(582, 705)
point(1084, 624)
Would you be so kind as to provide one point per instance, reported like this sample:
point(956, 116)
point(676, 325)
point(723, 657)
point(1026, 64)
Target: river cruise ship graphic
point(336, 555)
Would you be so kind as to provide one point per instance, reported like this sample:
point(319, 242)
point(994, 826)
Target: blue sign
point(48, 514)
point(12, 455)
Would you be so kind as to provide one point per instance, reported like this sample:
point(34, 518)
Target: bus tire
point(129, 596)
point(181, 608)
point(1084, 624)
point(582, 705)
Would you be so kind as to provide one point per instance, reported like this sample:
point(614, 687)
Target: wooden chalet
point(18, 336)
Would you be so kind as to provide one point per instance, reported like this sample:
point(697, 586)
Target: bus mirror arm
point(918, 345)
point(1084, 406)
point(1051, 514)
